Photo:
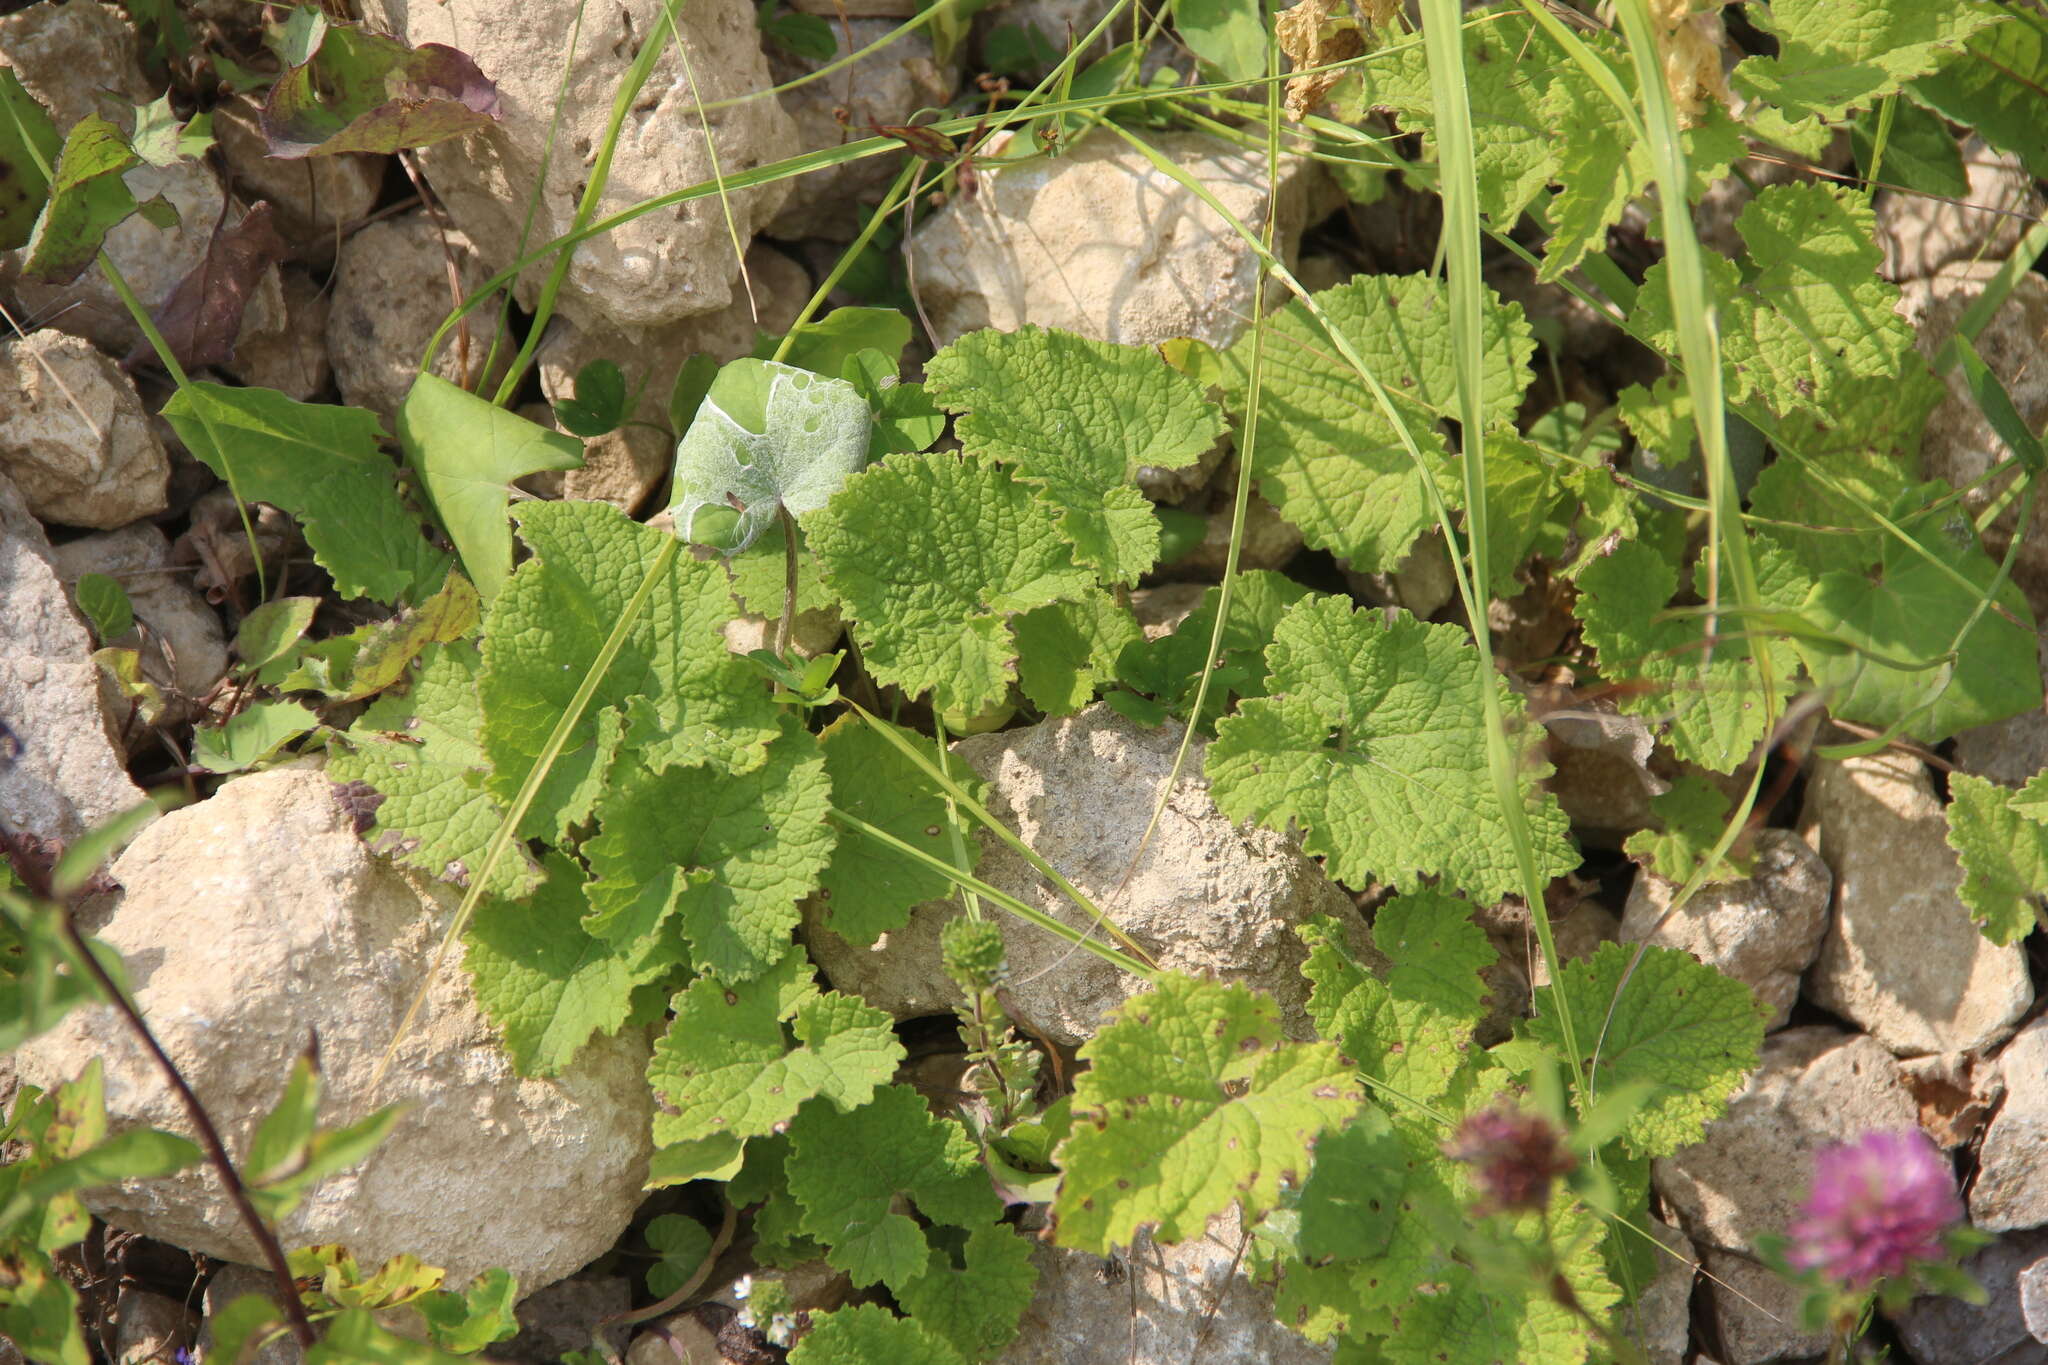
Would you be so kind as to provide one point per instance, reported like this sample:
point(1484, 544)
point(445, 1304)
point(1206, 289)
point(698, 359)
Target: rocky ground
point(1889, 1007)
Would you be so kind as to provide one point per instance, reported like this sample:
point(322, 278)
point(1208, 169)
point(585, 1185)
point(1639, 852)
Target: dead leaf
point(203, 315)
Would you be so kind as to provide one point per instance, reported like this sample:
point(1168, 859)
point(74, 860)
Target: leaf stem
point(783, 627)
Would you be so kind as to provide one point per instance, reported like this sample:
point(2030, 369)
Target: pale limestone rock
point(182, 642)
point(1210, 896)
point(2011, 1190)
point(1938, 1328)
point(307, 932)
point(1902, 958)
point(563, 1318)
point(1757, 1312)
point(391, 292)
point(1268, 542)
point(681, 1339)
point(1100, 242)
point(153, 260)
point(68, 55)
point(1762, 930)
point(885, 88)
point(229, 1283)
point(660, 266)
point(149, 1328)
point(1659, 1322)
point(283, 345)
point(73, 435)
point(1159, 611)
point(62, 775)
point(1920, 234)
point(316, 198)
point(1816, 1087)
point(1960, 445)
point(1155, 1308)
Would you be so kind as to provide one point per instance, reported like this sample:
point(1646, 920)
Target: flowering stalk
point(1881, 1223)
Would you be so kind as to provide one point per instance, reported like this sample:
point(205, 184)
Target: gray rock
point(1160, 610)
point(679, 1340)
point(391, 292)
point(1210, 896)
point(150, 1328)
point(151, 259)
point(74, 437)
point(283, 341)
point(2011, 1190)
point(182, 642)
point(1748, 1175)
point(564, 1317)
point(1763, 930)
point(624, 466)
point(1940, 1329)
point(316, 198)
point(1920, 234)
point(1600, 763)
point(306, 932)
point(1660, 1321)
point(1757, 1312)
point(1903, 958)
point(1154, 1305)
point(64, 774)
point(67, 55)
point(882, 89)
point(1100, 242)
point(232, 1282)
point(2033, 1284)
point(1960, 445)
point(660, 266)
point(2009, 751)
point(1269, 539)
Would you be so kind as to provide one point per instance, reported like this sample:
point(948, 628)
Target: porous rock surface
point(885, 88)
point(1902, 958)
point(73, 434)
point(1816, 1087)
point(1154, 1305)
point(1756, 1312)
point(150, 258)
point(391, 291)
point(2011, 1189)
point(315, 197)
point(1762, 930)
point(1660, 1320)
point(1209, 896)
point(257, 919)
point(1099, 241)
point(1939, 1328)
point(659, 266)
point(59, 771)
point(67, 56)
point(283, 341)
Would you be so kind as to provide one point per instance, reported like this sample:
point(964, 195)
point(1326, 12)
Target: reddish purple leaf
point(203, 315)
point(366, 92)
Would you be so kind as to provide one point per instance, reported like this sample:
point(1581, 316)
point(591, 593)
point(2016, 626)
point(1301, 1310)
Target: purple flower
point(1878, 1205)
point(1516, 1155)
